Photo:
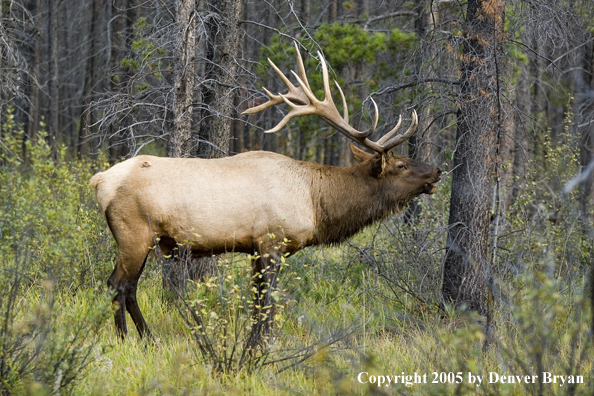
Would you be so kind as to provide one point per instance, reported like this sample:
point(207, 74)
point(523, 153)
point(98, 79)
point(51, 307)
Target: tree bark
point(222, 47)
point(584, 110)
point(175, 270)
point(304, 11)
point(132, 14)
point(2, 72)
point(117, 28)
point(91, 74)
point(54, 74)
point(466, 267)
point(422, 144)
point(333, 14)
point(521, 142)
point(220, 71)
point(31, 85)
point(180, 135)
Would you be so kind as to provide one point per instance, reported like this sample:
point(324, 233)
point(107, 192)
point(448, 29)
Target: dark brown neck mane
point(348, 199)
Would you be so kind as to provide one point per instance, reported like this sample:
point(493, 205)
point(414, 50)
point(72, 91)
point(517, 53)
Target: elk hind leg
point(134, 310)
point(119, 300)
point(123, 281)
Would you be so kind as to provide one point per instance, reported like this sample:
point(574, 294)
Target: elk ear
point(378, 166)
point(359, 154)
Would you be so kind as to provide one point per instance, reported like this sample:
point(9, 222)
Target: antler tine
point(376, 119)
point(331, 115)
point(272, 101)
point(295, 94)
point(300, 66)
point(327, 93)
point(345, 109)
point(389, 135)
point(389, 141)
point(282, 76)
point(296, 110)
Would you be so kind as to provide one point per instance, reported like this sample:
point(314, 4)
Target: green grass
point(391, 346)
point(542, 323)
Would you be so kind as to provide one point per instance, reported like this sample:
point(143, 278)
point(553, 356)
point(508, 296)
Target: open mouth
point(430, 188)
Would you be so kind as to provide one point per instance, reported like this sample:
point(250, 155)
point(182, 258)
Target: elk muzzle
point(431, 187)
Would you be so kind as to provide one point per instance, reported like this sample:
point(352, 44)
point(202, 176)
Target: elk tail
point(95, 180)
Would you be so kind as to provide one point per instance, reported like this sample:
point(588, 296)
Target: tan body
point(214, 204)
point(233, 203)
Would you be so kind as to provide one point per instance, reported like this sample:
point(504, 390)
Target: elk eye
point(401, 167)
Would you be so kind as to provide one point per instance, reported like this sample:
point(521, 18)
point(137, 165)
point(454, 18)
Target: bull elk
point(236, 203)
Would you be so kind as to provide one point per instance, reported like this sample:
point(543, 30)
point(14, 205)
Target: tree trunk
point(521, 143)
point(2, 72)
point(584, 111)
point(131, 16)
point(175, 270)
point(91, 73)
point(584, 114)
point(117, 28)
point(422, 144)
point(34, 102)
point(54, 75)
point(466, 267)
point(222, 46)
point(180, 135)
point(304, 10)
point(334, 9)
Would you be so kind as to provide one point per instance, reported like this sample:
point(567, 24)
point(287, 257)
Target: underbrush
point(48, 210)
point(347, 315)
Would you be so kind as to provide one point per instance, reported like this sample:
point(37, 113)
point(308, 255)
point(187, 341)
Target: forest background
point(490, 274)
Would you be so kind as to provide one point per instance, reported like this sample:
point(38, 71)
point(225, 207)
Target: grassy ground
point(171, 366)
point(544, 333)
point(543, 326)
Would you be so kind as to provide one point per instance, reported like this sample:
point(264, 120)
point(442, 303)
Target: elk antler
point(302, 101)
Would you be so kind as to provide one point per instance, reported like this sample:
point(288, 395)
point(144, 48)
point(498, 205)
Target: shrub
point(48, 210)
point(45, 345)
point(50, 246)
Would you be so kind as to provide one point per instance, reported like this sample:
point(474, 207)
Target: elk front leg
point(265, 271)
